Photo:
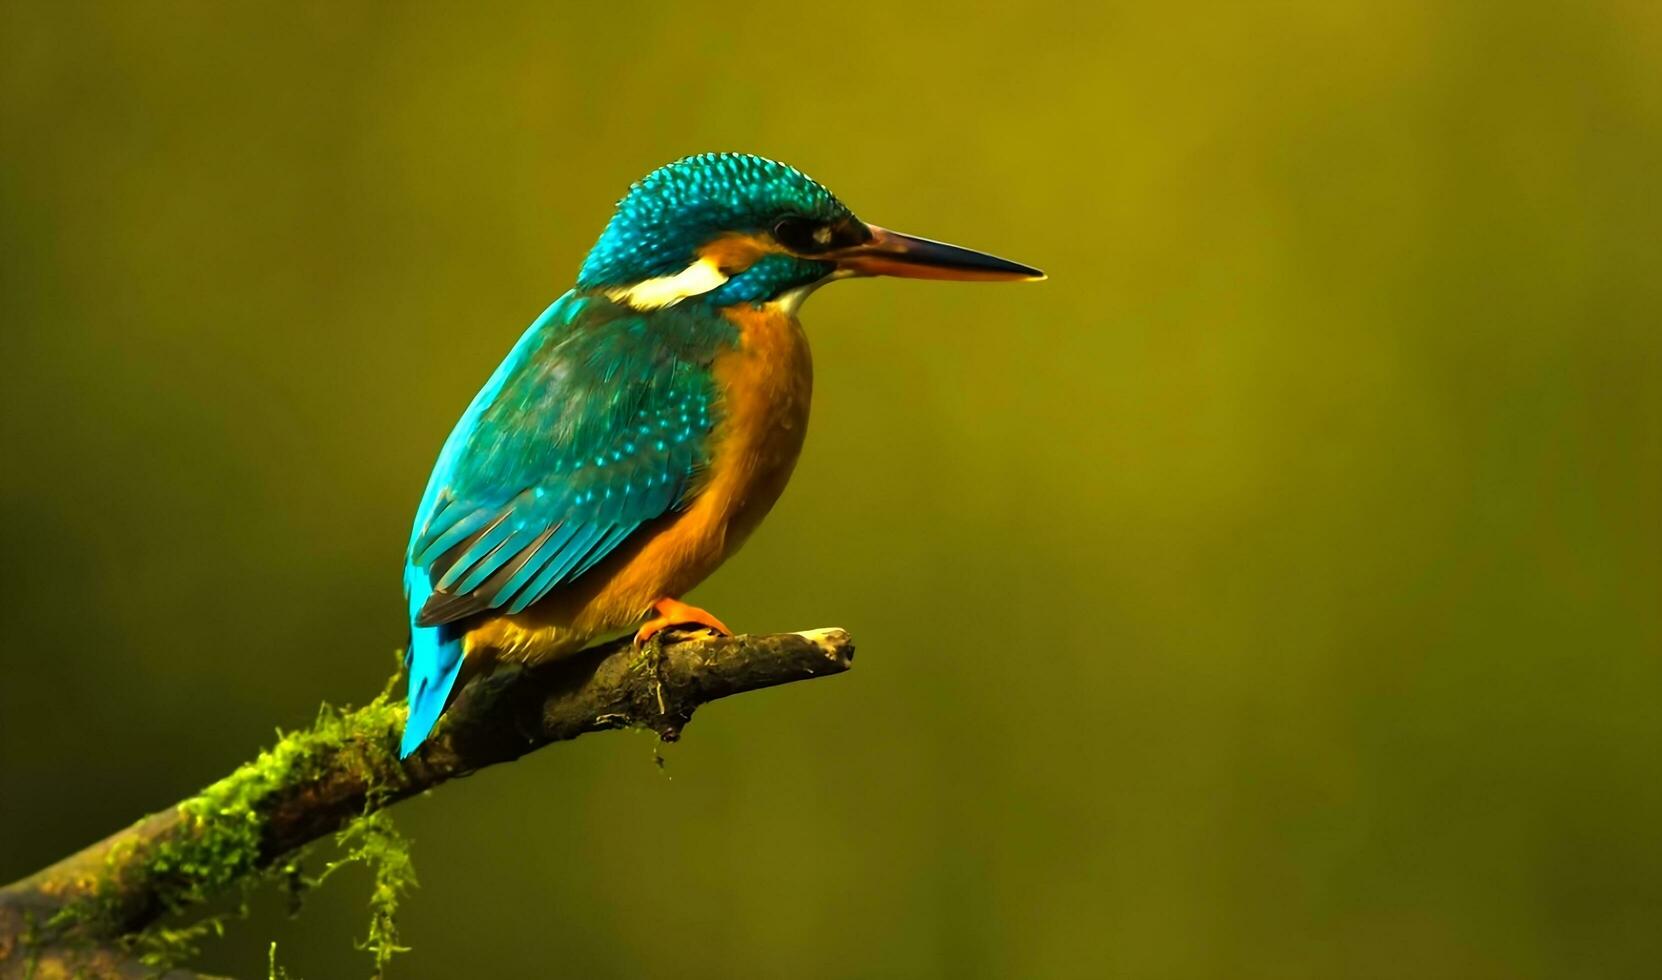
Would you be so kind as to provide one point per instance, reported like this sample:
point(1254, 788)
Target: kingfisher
point(641, 426)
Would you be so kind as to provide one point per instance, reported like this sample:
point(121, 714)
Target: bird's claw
point(673, 612)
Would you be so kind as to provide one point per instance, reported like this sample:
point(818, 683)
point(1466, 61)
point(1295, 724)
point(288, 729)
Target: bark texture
point(81, 916)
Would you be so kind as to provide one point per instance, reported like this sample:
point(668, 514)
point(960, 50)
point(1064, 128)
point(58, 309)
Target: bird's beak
point(889, 253)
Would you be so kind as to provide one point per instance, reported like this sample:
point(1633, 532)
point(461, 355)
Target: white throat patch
point(654, 294)
point(789, 301)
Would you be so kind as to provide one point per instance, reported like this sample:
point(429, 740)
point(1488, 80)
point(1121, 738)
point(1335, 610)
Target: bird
point(642, 426)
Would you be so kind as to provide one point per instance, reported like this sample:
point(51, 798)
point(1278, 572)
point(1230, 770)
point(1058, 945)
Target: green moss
point(166, 946)
point(272, 970)
point(217, 847)
point(30, 940)
point(223, 826)
point(375, 842)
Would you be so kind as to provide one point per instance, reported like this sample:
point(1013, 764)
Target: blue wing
point(595, 424)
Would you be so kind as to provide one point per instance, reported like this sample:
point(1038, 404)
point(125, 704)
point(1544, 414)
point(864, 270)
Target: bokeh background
point(1273, 592)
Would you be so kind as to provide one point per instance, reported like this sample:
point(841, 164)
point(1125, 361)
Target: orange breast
point(765, 386)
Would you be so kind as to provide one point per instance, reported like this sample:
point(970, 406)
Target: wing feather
point(595, 424)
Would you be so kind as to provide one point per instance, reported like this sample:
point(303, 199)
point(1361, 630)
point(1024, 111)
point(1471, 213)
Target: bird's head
point(725, 228)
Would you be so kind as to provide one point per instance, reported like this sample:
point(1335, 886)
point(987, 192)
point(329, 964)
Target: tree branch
point(78, 917)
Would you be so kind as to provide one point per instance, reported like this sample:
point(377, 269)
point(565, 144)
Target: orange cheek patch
point(733, 254)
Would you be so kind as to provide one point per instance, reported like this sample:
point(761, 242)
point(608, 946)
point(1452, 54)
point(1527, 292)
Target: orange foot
point(674, 612)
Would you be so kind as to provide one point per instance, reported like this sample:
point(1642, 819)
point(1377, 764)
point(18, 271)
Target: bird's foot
point(673, 612)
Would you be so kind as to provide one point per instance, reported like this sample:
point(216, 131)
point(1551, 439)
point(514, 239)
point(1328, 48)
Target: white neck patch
point(789, 301)
point(654, 294)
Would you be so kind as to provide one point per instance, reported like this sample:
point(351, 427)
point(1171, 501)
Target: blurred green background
point(1273, 592)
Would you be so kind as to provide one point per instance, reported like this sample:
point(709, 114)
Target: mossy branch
point(87, 914)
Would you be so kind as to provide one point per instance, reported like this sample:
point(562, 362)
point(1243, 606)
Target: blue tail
point(434, 660)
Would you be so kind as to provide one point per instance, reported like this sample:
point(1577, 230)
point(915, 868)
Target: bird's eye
point(801, 235)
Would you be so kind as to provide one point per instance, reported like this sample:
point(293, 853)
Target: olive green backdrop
point(1273, 592)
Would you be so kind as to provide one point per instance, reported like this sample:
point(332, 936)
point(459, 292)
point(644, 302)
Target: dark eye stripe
point(850, 233)
point(801, 235)
point(806, 236)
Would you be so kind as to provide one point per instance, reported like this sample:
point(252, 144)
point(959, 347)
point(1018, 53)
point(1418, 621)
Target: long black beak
point(889, 253)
